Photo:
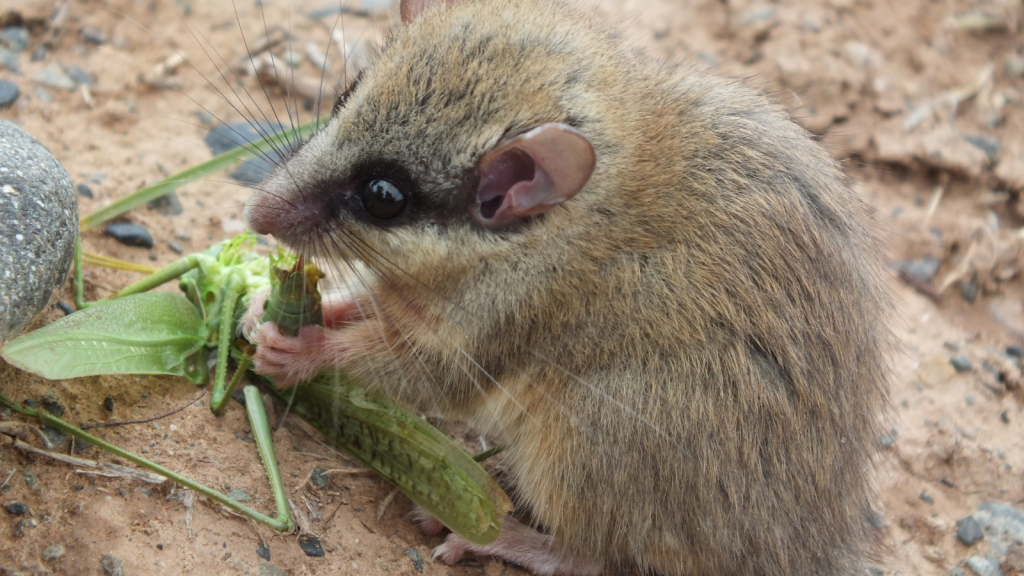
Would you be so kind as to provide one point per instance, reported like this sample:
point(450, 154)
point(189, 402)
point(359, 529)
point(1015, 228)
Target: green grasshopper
point(141, 332)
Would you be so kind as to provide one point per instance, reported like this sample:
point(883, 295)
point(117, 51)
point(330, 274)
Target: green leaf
point(401, 446)
point(149, 333)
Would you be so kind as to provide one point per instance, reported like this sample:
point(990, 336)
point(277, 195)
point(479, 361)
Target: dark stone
point(93, 35)
point(53, 407)
point(78, 487)
point(65, 308)
point(78, 75)
point(961, 364)
point(39, 53)
point(1015, 351)
point(167, 205)
point(15, 37)
point(39, 211)
point(921, 269)
point(318, 478)
point(311, 546)
point(16, 508)
point(108, 403)
point(254, 170)
point(263, 552)
point(129, 234)
point(9, 93)
point(33, 404)
point(176, 247)
point(416, 557)
point(969, 532)
point(31, 479)
point(969, 289)
point(55, 76)
point(84, 190)
point(1005, 416)
point(926, 498)
point(887, 440)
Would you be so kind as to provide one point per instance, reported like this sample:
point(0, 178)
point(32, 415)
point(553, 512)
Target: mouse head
point(459, 129)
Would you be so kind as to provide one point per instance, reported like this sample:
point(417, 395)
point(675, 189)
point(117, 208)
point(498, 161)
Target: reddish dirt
point(899, 91)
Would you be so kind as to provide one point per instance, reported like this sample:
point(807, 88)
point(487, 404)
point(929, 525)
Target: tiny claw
point(451, 551)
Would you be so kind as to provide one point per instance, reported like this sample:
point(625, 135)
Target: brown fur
point(686, 360)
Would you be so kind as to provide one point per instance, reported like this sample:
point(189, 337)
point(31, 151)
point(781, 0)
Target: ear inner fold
point(534, 172)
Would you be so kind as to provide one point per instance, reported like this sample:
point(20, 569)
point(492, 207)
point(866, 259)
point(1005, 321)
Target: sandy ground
point(922, 100)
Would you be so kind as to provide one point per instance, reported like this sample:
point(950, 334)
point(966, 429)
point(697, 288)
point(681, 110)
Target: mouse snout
point(282, 217)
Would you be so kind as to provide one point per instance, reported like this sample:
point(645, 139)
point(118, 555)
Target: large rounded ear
point(532, 173)
point(411, 9)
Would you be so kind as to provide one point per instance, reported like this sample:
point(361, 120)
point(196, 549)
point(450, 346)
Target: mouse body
point(647, 282)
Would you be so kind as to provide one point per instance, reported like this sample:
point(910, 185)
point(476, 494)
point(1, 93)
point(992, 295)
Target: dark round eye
point(382, 199)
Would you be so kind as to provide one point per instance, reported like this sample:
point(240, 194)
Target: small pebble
point(111, 565)
point(32, 403)
point(922, 269)
point(268, 569)
point(987, 144)
point(39, 53)
point(54, 76)
point(108, 403)
point(319, 478)
point(263, 552)
point(416, 557)
point(887, 440)
point(129, 234)
point(30, 479)
point(65, 308)
point(1005, 416)
point(238, 495)
point(9, 93)
point(10, 60)
point(311, 546)
point(84, 190)
point(53, 551)
point(969, 400)
point(961, 364)
point(16, 508)
point(176, 247)
point(925, 497)
point(93, 35)
point(78, 75)
point(43, 95)
point(969, 532)
point(15, 37)
point(983, 566)
point(166, 205)
point(1015, 351)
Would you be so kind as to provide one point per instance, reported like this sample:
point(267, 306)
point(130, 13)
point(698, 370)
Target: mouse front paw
point(452, 550)
point(289, 359)
point(429, 525)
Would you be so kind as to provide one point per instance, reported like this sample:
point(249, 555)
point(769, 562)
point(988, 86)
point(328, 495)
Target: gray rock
point(84, 190)
point(416, 557)
point(1002, 524)
point(9, 59)
point(129, 234)
point(14, 37)
point(268, 569)
point(9, 93)
point(178, 248)
point(38, 228)
point(983, 566)
point(93, 35)
point(239, 495)
point(78, 75)
point(961, 364)
point(43, 95)
point(167, 205)
point(922, 269)
point(54, 76)
point(987, 144)
point(53, 551)
point(111, 565)
point(39, 53)
point(969, 531)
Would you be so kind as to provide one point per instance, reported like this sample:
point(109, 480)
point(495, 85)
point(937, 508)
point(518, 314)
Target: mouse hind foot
point(522, 545)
